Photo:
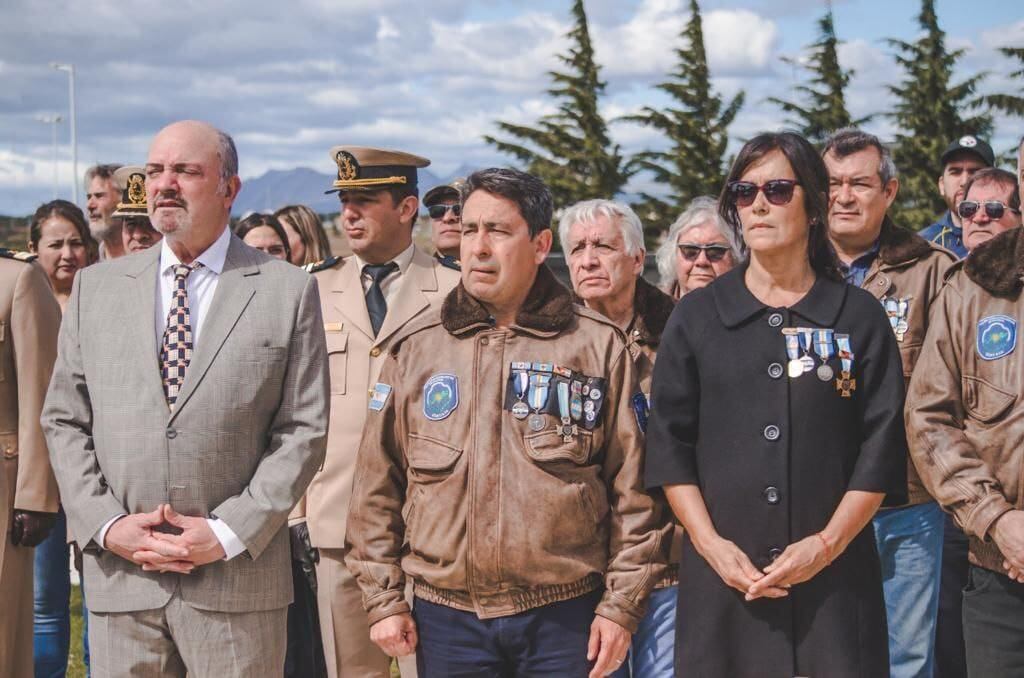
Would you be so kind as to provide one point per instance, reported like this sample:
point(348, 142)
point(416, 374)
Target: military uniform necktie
point(176, 350)
point(376, 306)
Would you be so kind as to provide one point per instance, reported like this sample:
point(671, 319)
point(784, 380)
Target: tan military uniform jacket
point(355, 358)
point(909, 267)
point(29, 324)
point(492, 513)
point(965, 406)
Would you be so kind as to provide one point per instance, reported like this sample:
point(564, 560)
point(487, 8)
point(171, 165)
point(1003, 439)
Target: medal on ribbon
point(520, 382)
point(568, 429)
point(902, 311)
point(806, 339)
point(540, 384)
point(823, 347)
point(794, 367)
point(576, 400)
point(845, 383)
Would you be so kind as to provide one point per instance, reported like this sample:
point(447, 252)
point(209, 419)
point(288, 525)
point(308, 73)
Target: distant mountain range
point(305, 186)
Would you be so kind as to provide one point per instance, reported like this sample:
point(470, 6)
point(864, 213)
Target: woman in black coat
point(776, 432)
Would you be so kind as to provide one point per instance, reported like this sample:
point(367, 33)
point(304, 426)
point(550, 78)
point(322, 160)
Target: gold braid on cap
point(357, 183)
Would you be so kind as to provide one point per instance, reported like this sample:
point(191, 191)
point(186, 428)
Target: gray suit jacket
point(246, 436)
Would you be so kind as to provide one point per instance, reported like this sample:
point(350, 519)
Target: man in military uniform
point(965, 421)
point(102, 195)
point(366, 299)
point(904, 272)
point(29, 322)
point(960, 160)
point(132, 212)
point(500, 467)
point(603, 242)
point(444, 208)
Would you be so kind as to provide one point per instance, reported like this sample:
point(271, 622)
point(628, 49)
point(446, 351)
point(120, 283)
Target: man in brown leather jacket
point(904, 272)
point(500, 467)
point(965, 424)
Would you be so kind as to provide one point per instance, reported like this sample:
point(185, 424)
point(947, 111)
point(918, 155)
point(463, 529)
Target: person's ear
point(542, 245)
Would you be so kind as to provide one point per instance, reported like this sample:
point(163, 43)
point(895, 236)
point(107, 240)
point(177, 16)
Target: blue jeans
point(550, 640)
point(654, 644)
point(51, 634)
point(910, 549)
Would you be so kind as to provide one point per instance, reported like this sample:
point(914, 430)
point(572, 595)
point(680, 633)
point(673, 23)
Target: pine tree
point(571, 149)
point(927, 114)
point(696, 127)
point(825, 107)
point(1011, 104)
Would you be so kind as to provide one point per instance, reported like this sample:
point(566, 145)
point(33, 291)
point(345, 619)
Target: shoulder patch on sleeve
point(379, 397)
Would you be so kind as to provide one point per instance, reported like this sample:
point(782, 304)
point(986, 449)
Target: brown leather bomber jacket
point(484, 512)
point(964, 414)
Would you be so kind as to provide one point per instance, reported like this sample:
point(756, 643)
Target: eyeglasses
point(714, 253)
point(776, 191)
point(993, 208)
point(438, 211)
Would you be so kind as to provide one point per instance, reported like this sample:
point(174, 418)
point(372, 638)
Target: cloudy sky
point(290, 79)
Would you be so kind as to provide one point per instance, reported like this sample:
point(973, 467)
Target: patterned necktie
point(376, 306)
point(176, 350)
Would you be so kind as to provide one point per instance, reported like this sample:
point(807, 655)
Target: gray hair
point(589, 211)
point(701, 210)
point(850, 140)
point(101, 171)
point(228, 156)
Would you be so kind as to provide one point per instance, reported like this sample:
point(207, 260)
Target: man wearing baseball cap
point(960, 160)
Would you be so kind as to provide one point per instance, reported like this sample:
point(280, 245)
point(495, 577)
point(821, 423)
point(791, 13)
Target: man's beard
point(103, 229)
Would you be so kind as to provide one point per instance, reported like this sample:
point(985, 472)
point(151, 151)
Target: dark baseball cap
point(970, 144)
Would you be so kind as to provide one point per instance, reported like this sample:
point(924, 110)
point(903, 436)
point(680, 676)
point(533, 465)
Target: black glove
point(29, 528)
point(303, 552)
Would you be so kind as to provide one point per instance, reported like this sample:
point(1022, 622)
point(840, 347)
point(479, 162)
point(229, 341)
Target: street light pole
point(53, 121)
point(70, 70)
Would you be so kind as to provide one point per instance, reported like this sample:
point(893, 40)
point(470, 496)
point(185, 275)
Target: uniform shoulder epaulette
point(448, 261)
point(322, 265)
point(14, 254)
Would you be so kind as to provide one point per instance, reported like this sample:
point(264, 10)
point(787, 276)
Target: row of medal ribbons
point(809, 349)
point(536, 388)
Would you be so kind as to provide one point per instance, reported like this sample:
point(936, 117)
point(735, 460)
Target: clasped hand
point(800, 562)
point(134, 537)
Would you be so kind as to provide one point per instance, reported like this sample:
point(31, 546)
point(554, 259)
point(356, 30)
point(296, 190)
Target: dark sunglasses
point(776, 191)
point(438, 211)
point(993, 208)
point(714, 253)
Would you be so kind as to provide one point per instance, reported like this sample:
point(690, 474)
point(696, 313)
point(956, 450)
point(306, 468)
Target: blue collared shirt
point(945, 233)
point(858, 268)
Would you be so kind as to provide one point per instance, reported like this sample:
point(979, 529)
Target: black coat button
point(773, 554)
point(771, 432)
point(771, 494)
point(775, 319)
point(775, 370)
point(172, 434)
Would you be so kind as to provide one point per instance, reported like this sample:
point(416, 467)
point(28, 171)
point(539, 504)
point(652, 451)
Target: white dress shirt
point(200, 285)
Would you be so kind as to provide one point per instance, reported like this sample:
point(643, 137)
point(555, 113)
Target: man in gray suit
point(186, 415)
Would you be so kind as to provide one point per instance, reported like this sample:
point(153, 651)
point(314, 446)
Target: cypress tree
point(571, 149)
point(928, 115)
point(825, 107)
point(696, 128)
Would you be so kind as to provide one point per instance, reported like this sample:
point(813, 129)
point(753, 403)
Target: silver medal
point(794, 368)
point(536, 422)
point(825, 373)
point(807, 362)
point(520, 410)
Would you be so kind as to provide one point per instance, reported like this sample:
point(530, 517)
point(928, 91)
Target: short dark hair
point(850, 140)
point(257, 220)
point(530, 194)
point(70, 212)
point(811, 174)
point(994, 175)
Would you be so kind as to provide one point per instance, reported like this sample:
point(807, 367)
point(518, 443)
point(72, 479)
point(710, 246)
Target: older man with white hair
point(603, 243)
